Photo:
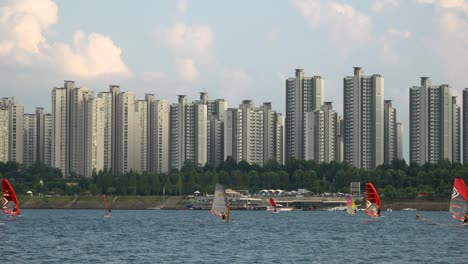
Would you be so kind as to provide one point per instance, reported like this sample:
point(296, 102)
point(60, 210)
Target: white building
point(141, 139)
point(252, 133)
point(465, 125)
point(59, 129)
point(390, 132)
point(363, 108)
point(4, 124)
point(107, 118)
point(95, 139)
point(162, 132)
point(303, 94)
point(431, 122)
point(29, 140)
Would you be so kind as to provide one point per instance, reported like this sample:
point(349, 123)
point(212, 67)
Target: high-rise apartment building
point(95, 137)
point(431, 122)
point(151, 133)
point(465, 125)
point(126, 132)
point(59, 129)
point(399, 141)
point(330, 130)
point(141, 139)
point(16, 123)
point(363, 109)
point(252, 133)
point(456, 140)
point(29, 140)
point(390, 132)
point(217, 114)
point(107, 118)
point(80, 147)
point(303, 95)
point(162, 133)
point(279, 154)
point(4, 124)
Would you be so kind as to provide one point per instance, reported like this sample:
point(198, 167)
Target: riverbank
point(95, 202)
point(178, 202)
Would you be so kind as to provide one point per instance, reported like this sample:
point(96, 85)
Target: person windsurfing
point(223, 216)
point(418, 217)
point(466, 218)
point(378, 211)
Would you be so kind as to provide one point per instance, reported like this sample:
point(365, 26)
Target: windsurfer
point(223, 216)
point(378, 211)
point(466, 218)
point(418, 217)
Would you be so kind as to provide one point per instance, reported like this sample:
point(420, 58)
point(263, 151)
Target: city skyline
point(185, 47)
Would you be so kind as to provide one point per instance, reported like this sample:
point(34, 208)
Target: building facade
point(431, 122)
point(363, 115)
point(303, 95)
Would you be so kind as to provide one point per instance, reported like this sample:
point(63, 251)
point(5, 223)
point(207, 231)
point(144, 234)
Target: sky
point(234, 50)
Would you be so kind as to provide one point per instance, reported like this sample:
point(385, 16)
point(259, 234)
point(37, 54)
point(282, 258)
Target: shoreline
point(179, 202)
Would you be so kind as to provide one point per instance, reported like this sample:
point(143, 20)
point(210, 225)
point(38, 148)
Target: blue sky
point(232, 49)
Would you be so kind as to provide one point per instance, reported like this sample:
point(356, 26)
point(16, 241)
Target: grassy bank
point(177, 202)
point(90, 202)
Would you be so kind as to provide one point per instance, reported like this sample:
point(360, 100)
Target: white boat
point(409, 209)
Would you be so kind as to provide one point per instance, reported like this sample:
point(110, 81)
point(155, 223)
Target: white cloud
point(152, 76)
point(450, 45)
point(388, 41)
point(182, 6)
point(348, 28)
point(381, 5)
point(22, 27)
point(188, 71)
point(187, 40)
point(89, 56)
point(461, 5)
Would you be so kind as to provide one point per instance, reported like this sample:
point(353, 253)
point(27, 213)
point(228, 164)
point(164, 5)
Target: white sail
point(220, 203)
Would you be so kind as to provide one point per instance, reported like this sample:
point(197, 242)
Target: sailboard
point(220, 206)
point(373, 206)
point(10, 205)
point(350, 205)
point(274, 206)
point(459, 201)
point(106, 208)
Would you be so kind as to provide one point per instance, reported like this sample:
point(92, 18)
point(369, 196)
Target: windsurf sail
point(274, 206)
point(350, 205)
point(9, 203)
point(373, 206)
point(220, 206)
point(104, 201)
point(459, 202)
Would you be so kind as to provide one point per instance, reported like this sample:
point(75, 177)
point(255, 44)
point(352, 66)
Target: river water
point(155, 236)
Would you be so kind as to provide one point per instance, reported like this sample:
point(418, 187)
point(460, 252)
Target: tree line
point(397, 180)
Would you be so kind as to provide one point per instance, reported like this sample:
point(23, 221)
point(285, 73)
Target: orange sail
point(104, 200)
point(9, 202)
point(373, 205)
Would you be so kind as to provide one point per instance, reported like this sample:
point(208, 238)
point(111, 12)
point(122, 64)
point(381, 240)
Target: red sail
point(104, 200)
point(273, 203)
point(9, 203)
point(373, 205)
point(459, 201)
